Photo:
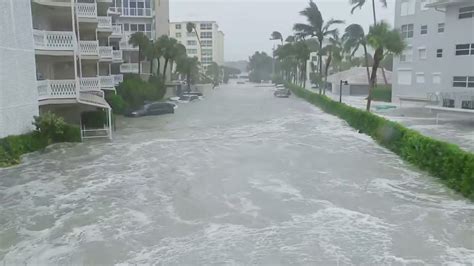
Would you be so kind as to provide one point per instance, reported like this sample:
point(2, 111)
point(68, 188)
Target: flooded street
point(240, 177)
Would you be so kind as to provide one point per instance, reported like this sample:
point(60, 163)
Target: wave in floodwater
point(276, 182)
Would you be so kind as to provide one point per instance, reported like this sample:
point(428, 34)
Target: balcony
point(56, 89)
point(118, 79)
point(117, 31)
point(89, 84)
point(86, 11)
point(105, 53)
point(54, 40)
point(129, 68)
point(117, 56)
point(89, 48)
point(104, 24)
point(107, 82)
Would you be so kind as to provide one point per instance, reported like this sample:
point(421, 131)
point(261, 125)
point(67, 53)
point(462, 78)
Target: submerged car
point(186, 98)
point(282, 93)
point(157, 108)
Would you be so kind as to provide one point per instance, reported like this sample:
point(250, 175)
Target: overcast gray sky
point(247, 24)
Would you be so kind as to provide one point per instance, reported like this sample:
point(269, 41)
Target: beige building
point(211, 48)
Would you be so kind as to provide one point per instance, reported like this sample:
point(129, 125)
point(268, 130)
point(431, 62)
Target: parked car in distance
point(282, 93)
point(156, 108)
point(186, 98)
point(199, 94)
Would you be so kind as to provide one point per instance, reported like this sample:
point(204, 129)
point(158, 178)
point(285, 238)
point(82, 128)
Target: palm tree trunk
point(366, 55)
point(139, 62)
point(158, 66)
point(164, 68)
point(373, 11)
point(151, 67)
point(320, 63)
point(384, 76)
point(328, 62)
point(378, 56)
point(188, 80)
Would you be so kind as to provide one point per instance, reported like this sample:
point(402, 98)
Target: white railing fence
point(118, 79)
point(104, 22)
point(89, 84)
point(117, 55)
point(117, 30)
point(107, 81)
point(129, 68)
point(86, 10)
point(105, 52)
point(89, 47)
point(56, 89)
point(54, 40)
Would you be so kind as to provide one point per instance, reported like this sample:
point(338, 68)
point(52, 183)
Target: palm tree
point(290, 39)
point(360, 3)
point(140, 40)
point(190, 27)
point(334, 52)
point(153, 52)
point(179, 52)
point(277, 36)
point(170, 50)
point(354, 37)
point(302, 53)
point(316, 27)
point(188, 66)
point(385, 41)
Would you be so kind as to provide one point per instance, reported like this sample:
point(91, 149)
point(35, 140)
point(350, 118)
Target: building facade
point(440, 48)
point(211, 46)
point(18, 94)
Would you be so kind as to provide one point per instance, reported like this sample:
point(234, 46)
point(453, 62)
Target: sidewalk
point(456, 130)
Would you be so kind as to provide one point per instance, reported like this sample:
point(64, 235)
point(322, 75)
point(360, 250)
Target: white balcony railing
point(54, 40)
point(86, 10)
point(129, 68)
point(107, 81)
point(56, 89)
point(105, 52)
point(104, 23)
point(89, 48)
point(118, 79)
point(117, 55)
point(117, 30)
point(89, 84)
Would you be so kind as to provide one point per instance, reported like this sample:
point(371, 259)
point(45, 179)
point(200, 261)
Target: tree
point(214, 71)
point(189, 67)
point(316, 27)
point(302, 53)
point(334, 52)
point(260, 67)
point(277, 36)
point(385, 41)
point(360, 3)
point(230, 71)
point(153, 52)
point(171, 50)
point(140, 40)
point(354, 37)
point(190, 27)
point(290, 39)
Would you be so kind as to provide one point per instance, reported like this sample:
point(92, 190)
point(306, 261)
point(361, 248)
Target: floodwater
point(240, 177)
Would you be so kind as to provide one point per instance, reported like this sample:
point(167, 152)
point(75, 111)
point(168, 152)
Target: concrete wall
point(18, 91)
point(162, 17)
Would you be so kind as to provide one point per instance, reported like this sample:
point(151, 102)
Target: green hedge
point(454, 166)
point(382, 93)
point(12, 147)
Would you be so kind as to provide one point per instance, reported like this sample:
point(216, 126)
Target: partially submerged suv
point(156, 108)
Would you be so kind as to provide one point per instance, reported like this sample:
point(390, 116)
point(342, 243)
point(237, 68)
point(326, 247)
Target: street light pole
point(345, 82)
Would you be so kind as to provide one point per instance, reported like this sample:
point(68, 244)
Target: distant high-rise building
point(212, 41)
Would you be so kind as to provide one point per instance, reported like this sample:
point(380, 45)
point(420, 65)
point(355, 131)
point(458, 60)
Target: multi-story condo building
point(211, 48)
point(440, 48)
point(148, 16)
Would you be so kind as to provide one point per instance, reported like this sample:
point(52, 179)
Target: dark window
point(466, 12)
point(470, 82)
point(448, 103)
point(460, 82)
point(148, 27)
point(441, 27)
point(407, 31)
point(133, 4)
point(141, 5)
point(467, 105)
point(147, 3)
point(439, 53)
point(424, 29)
point(133, 27)
point(464, 49)
point(126, 27)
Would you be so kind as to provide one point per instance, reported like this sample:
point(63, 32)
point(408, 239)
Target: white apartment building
point(211, 48)
point(439, 58)
point(148, 16)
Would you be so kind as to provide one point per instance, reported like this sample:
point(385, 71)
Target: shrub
point(49, 126)
point(117, 103)
point(135, 91)
point(382, 93)
point(455, 167)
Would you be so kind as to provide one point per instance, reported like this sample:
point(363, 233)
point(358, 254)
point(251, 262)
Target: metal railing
point(117, 30)
point(129, 68)
point(54, 40)
point(117, 55)
point(107, 81)
point(56, 89)
point(86, 10)
point(105, 52)
point(104, 23)
point(89, 47)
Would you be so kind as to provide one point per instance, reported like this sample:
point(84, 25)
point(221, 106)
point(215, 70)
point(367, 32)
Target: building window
point(206, 43)
point(192, 42)
point(206, 26)
point(177, 26)
point(465, 49)
point(407, 55)
point(192, 51)
point(407, 7)
point(440, 27)
point(126, 27)
point(439, 53)
point(463, 82)
point(423, 5)
point(407, 31)
point(436, 78)
point(404, 77)
point(206, 35)
point(422, 54)
point(420, 77)
point(466, 12)
point(133, 27)
point(178, 34)
point(424, 29)
point(206, 52)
